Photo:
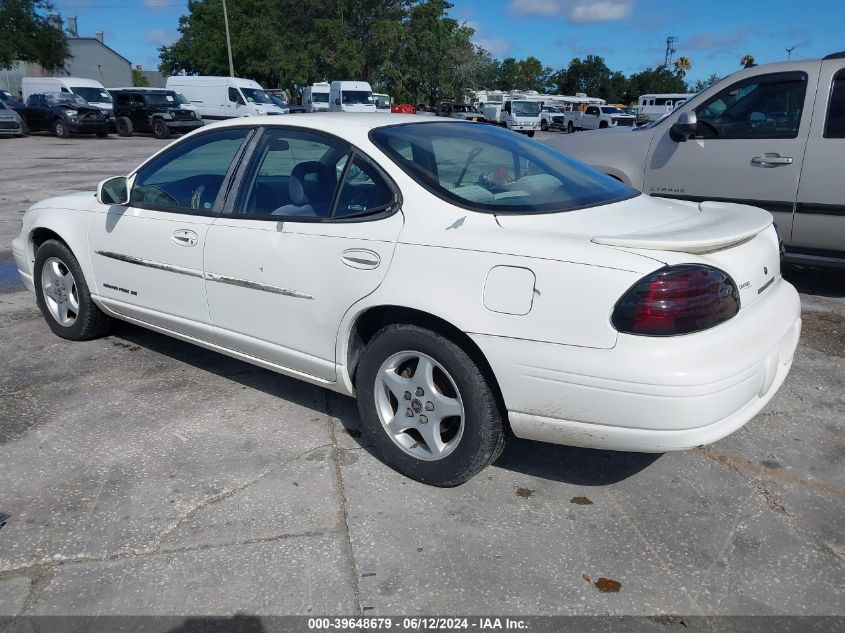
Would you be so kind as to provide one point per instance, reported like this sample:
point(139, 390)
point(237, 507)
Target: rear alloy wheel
point(63, 297)
point(427, 407)
point(160, 129)
point(123, 125)
point(61, 129)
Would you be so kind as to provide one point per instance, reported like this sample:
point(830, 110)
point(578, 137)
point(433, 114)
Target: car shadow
point(566, 464)
point(814, 280)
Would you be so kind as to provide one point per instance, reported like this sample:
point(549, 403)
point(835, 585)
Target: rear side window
point(834, 126)
point(768, 106)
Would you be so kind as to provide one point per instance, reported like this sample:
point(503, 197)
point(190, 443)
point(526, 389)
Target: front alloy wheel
point(60, 293)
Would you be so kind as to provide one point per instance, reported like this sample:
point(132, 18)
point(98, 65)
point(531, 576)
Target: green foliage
point(703, 84)
point(28, 35)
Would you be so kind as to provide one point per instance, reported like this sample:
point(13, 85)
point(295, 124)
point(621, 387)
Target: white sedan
point(461, 280)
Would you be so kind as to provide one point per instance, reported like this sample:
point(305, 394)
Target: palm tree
point(682, 65)
point(747, 61)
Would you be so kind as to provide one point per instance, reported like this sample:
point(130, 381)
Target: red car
point(403, 108)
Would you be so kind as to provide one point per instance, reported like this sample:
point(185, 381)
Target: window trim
point(760, 80)
point(839, 75)
point(225, 187)
point(462, 203)
point(239, 182)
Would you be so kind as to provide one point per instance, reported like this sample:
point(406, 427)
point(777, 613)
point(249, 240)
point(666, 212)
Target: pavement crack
point(337, 450)
point(222, 496)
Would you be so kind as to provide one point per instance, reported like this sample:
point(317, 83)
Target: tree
point(28, 34)
point(703, 84)
point(138, 78)
point(659, 80)
point(747, 61)
point(682, 65)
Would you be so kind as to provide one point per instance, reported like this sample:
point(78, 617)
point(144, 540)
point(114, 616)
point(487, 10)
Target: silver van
point(769, 136)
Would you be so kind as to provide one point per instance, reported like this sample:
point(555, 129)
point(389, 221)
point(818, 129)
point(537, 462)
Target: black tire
point(530, 134)
point(24, 129)
point(483, 437)
point(160, 129)
point(124, 126)
point(570, 128)
point(603, 125)
point(544, 125)
point(61, 129)
point(90, 322)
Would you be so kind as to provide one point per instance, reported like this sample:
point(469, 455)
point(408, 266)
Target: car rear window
point(486, 168)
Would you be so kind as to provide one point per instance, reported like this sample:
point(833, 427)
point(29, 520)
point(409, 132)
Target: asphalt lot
point(148, 476)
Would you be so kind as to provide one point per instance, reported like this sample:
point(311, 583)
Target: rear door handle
point(185, 237)
point(771, 160)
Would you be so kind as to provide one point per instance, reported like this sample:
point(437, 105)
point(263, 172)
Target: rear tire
point(61, 128)
point(427, 407)
point(570, 128)
point(160, 129)
point(544, 125)
point(123, 125)
point(63, 296)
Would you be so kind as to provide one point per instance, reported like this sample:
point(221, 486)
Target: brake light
point(677, 300)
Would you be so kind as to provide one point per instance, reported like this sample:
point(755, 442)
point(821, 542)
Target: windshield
point(357, 97)
point(487, 168)
point(92, 95)
point(181, 98)
point(256, 95)
point(320, 97)
point(525, 108)
point(65, 98)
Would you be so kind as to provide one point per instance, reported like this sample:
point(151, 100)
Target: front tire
point(123, 125)
point(160, 129)
point(427, 407)
point(61, 129)
point(530, 134)
point(544, 125)
point(570, 128)
point(63, 296)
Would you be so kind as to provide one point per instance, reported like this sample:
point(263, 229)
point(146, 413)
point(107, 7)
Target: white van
point(224, 97)
point(351, 96)
point(315, 97)
point(383, 102)
point(89, 89)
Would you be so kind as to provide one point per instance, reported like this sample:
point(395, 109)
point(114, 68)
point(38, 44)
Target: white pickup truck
point(769, 136)
point(596, 117)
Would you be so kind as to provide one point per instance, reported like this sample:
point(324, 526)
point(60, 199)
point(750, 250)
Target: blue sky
point(629, 34)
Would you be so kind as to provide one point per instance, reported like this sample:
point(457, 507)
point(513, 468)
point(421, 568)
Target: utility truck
point(519, 115)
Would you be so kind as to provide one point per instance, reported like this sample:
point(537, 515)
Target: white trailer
point(651, 107)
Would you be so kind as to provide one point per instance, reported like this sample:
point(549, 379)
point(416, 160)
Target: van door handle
point(771, 160)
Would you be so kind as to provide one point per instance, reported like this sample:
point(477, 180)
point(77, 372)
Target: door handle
point(185, 237)
point(362, 258)
point(771, 160)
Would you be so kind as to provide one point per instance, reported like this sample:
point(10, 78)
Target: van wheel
point(544, 125)
point(123, 125)
point(429, 410)
point(570, 128)
point(63, 296)
point(160, 129)
point(61, 129)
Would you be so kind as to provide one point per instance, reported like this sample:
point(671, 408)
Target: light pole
point(228, 41)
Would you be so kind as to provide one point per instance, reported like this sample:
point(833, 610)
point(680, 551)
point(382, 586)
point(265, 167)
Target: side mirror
point(685, 127)
point(113, 191)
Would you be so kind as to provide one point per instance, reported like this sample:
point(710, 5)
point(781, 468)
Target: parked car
point(771, 136)
point(559, 303)
point(219, 98)
point(462, 111)
point(11, 124)
point(11, 100)
point(91, 90)
point(595, 117)
point(403, 108)
point(551, 117)
point(64, 113)
point(287, 108)
point(152, 110)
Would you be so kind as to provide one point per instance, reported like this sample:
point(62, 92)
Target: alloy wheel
point(60, 293)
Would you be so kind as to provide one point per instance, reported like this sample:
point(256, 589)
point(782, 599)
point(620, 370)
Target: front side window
point(189, 176)
point(235, 96)
point(487, 168)
point(834, 126)
point(294, 173)
point(363, 192)
point(255, 95)
point(768, 106)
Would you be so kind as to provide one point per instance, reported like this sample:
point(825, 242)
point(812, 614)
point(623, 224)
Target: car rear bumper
point(650, 394)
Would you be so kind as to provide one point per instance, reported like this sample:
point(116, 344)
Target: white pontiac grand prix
point(461, 280)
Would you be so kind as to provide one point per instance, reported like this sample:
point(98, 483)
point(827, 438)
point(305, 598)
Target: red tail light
point(677, 300)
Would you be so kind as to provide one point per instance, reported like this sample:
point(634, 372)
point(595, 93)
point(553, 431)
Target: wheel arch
point(371, 319)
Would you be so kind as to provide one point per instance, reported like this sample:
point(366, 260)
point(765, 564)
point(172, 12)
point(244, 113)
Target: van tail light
point(677, 300)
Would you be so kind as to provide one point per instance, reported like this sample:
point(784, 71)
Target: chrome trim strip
point(190, 272)
point(254, 285)
point(140, 261)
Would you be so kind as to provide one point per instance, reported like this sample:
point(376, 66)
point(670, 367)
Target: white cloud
point(496, 46)
point(710, 41)
point(600, 11)
point(161, 37)
point(157, 4)
point(580, 11)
